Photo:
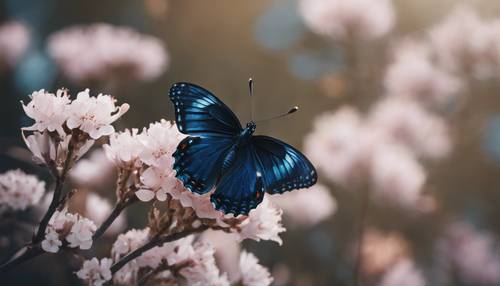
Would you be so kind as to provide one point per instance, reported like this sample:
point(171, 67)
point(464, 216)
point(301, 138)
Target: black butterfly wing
point(199, 112)
point(241, 187)
point(283, 167)
point(198, 161)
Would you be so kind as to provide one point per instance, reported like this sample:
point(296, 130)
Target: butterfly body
point(220, 154)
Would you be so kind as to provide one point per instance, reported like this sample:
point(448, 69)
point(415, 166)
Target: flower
point(204, 270)
point(81, 234)
point(124, 148)
point(339, 19)
point(263, 222)
point(396, 176)
point(96, 272)
point(252, 273)
point(14, 41)
point(227, 251)
point(19, 190)
point(156, 183)
point(316, 204)
point(48, 110)
point(76, 229)
point(94, 115)
point(337, 146)
point(413, 75)
point(461, 54)
point(51, 243)
point(116, 55)
point(405, 122)
point(403, 273)
point(94, 171)
point(473, 253)
point(44, 148)
point(97, 209)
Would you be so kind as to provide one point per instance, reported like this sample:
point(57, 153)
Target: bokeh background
point(220, 44)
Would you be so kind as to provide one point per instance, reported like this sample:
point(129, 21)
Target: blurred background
point(399, 111)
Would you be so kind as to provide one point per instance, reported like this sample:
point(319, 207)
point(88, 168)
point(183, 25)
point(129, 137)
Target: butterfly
point(219, 153)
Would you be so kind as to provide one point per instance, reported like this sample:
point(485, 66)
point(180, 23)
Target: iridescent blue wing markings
point(213, 126)
point(199, 112)
point(241, 188)
point(198, 161)
point(284, 168)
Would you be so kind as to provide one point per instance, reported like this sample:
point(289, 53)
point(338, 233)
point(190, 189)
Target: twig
point(22, 256)
point(174, 270)
point(119, 207)
point(155, 241)
point(365, 203)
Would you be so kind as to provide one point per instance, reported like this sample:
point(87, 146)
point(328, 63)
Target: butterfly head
point(251, 126)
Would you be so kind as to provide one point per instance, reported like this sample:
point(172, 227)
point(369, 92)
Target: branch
point(155, 241)
point(20, 257)
point(174, 269)
point(119, 207)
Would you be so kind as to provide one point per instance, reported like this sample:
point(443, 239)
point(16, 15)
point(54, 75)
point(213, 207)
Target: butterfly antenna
point(292, 110)
point(250, 90)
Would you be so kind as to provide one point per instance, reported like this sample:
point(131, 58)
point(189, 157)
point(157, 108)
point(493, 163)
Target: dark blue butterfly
point(220, 153)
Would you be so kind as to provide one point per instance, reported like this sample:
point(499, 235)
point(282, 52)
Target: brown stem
point(119, 207)
point(155, 241)
point(365, 203)
point(22, 256)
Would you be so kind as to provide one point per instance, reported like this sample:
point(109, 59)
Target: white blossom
point(339, 19)
point(124, 148)
point(96, 272)
point(263, 223)
point(204, 270)
point(252, 273)
point(316, 204)
point(94, 115)
point(403, 273)
point(14, 41)
point(51, 243)
point(116, 54)
point(81, 234)
point(19, 190)
point(48, 110)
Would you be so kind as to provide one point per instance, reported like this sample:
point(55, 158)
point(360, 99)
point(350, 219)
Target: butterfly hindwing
point(199, 112)
point(241, 187)
point(284, 168)
point(198, 161)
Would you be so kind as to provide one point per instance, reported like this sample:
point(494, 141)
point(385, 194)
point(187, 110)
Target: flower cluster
point(341, 20)
point(197, 259)
point(316, 204)
point(253, 274)
point(76, 230)
point(65, 127)
point(96, 272)
point(472, 253)
point(14, 41)
point(19, 190)
point(116, 54)
point(381, 149)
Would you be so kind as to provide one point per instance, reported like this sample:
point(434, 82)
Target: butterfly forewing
point(199, 112)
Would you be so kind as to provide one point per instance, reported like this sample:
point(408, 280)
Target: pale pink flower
point(96, 272)
point(18, 190)
point(337, 147)
point(124, 148)
point(472, 253)
point(48, 110)
point(101, 52)
point(44, 148)
point(316, 204)
point(81, 233)
point(252, 273)
point(93, 171)
point(204, 270)
point(403, 273)
point(51, 243)
point(412, 74)
point(405, 122)
point(14, 41)
point(159, 141)
point(461, 54)
point(156, 183)
point(94, 115)
point(263, 223)
point(339, 19)
point(98, 209)
point(397, 177)
point(129, 241)
point(200, 203)
point(227, 251)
